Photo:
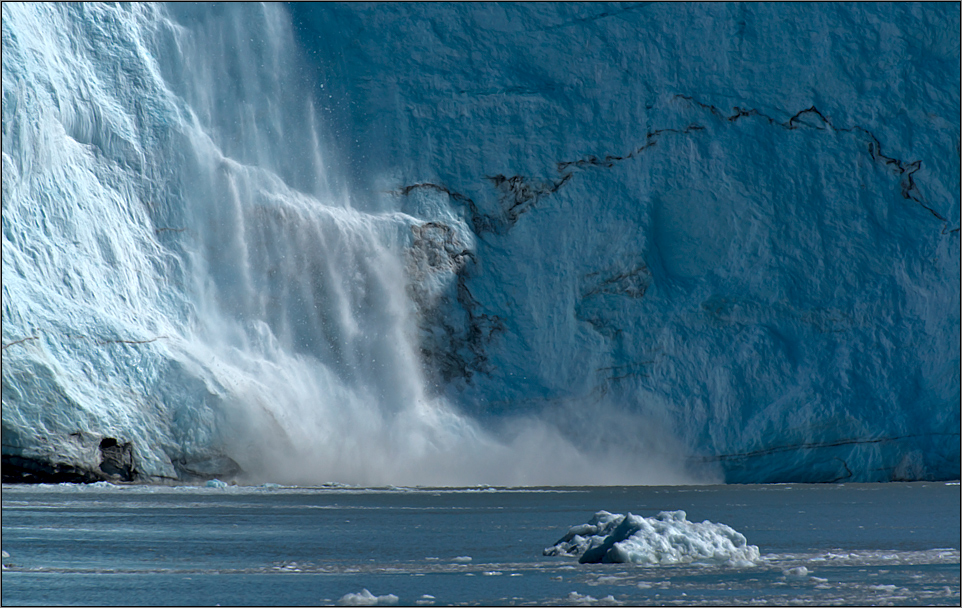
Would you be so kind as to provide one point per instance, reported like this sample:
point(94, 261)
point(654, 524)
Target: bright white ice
point(667, 538)
point(366, 598)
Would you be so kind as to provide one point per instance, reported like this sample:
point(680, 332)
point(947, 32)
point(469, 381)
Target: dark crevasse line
point(740, 459)
point(92, 339)
point(900, 167)
point(519, 194)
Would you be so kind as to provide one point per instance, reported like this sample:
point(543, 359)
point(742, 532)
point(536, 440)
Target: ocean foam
point(667, 538)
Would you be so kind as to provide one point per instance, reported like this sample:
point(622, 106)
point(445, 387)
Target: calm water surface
point(895, 544)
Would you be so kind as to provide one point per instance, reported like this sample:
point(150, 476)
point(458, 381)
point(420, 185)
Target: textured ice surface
point(691, 221)
point(667, 538)
point(366, 598)
point(420, 243)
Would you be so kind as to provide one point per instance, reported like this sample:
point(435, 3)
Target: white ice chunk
point(667, 538)
point(576, 599)
point(366, 598)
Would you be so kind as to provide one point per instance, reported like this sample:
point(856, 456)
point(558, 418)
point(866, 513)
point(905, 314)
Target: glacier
point(480, 243)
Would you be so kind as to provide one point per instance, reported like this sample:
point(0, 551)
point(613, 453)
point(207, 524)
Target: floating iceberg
point(366, 598)
point(667, 538)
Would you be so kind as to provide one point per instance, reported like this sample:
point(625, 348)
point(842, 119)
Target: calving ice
point(457, 244)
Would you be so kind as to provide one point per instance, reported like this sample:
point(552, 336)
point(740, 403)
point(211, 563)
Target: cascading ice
point(189, 288)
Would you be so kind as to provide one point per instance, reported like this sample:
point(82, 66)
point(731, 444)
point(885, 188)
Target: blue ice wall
point(736, 222)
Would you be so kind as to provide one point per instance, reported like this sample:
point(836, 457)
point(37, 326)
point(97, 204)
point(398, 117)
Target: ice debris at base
point(799, 572)
point(366, 598)
point(667, 538)
point(216, 483)
point(576, 599)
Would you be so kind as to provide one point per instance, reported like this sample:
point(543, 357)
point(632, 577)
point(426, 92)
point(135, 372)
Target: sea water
point(895, 544)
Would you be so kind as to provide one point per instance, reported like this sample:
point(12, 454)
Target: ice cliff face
point(737, 223)
point(421, 243)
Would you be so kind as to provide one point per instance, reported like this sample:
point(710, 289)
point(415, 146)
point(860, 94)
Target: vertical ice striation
point(93, 302)
point(480, 243)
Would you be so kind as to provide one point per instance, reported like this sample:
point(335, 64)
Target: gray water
point(896, 544)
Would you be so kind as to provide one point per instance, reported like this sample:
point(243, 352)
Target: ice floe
point(667, 538)
point(576, 599)
point(366, 598)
